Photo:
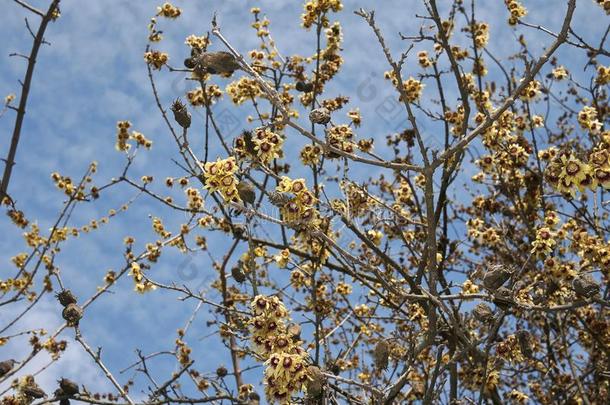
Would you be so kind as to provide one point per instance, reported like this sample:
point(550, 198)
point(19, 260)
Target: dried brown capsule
point(238, 274)
point(68, 387)
point(482, 312)
point(222, 372)
point(72, 314)
point(381, 354)
point(6, 366)
point(66, 298)
point(218, 62)
point(181, 114)
point(585, 286)
point(315, 383)
point(320, 116)
point(525, 342)
point(496, 276)
point(245, 189)
point(304, 87)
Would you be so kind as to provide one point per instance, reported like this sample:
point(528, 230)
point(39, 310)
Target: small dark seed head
point(66, 298)
point(72, 314)
point(221, 372)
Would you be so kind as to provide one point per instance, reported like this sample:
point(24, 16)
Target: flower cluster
point(603, 72)
point(198, 98)
point(244, 89)
point(220, 176)
point(559, 73)
point(315, 8)
point(156, 59)
point(587, 118)
point(544, 243)
point(300, 208)
point(412, 88)
point(267, 145)
point(123, 136)
point(531, 91)
point(141, 285)
point(195, 201)
point(480, 34)
point(168, 10)
point(340, 137)
point(285, 360)
point(516, 9)
point(199, 43)
point(423, 59)
point(311, 154)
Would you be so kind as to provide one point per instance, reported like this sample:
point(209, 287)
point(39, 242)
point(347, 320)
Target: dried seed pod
point(66, 298)
point(245, 189)
point(181, 114)
point(64, 401)
point(496, 276)
point(218, 62)
point(503, 298)
point(304, 87)
point(33, 391)
point(381, 355)
point(254, 398)
point(320, 116)
point(222, 372)
point(585, 286)
point(6, 366)
point(279, 199)
point(315, 383)
point(72, 314)
point(68, 387)
point(482, 312)
point(525, 342)
point(238, 274)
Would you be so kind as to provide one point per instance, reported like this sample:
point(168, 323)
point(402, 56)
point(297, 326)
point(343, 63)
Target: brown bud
point(66, 298)
point(381, 355)
point(304, 87)
point(181, 114)
point(496, 276)
point(585, 286)
point(482, 312)
point(320, 116)
point(72, 314)
point(315, 383)
point(221, 372)
point(68, 387)
point(238, 274)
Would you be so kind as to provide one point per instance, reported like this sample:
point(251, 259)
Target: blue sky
point(93, 75)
